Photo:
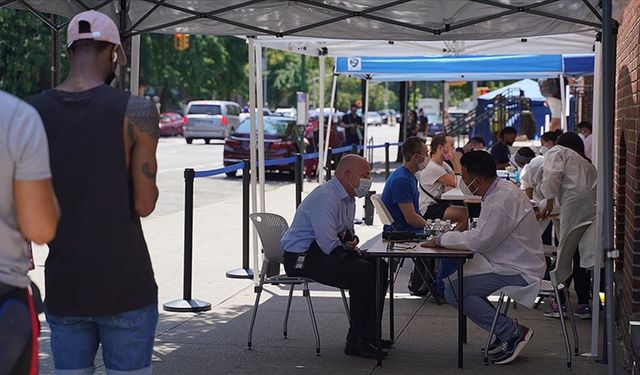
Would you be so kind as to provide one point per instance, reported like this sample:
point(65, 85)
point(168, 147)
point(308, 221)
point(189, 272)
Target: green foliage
point(25, 53)
point(211, 68)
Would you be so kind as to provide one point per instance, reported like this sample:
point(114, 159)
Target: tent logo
point(354, 63)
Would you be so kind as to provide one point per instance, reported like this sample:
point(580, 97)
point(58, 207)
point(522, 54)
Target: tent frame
point(605, 156)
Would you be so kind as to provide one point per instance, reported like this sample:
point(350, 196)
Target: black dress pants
point(346, 270)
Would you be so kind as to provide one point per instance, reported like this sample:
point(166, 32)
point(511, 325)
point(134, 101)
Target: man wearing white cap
point(100, 287)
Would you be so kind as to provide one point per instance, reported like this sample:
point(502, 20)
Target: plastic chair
point(270, 228)
point(551, 288)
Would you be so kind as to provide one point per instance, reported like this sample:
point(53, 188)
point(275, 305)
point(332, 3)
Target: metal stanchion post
point(329, 163)
point(187, 304)
point(245, 272)
point(386, 160)
point(298, 178)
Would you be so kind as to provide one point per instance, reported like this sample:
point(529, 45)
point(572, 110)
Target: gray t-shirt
point(24, 155)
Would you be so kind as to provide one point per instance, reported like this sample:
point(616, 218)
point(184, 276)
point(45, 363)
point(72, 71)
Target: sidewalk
point(214, 342)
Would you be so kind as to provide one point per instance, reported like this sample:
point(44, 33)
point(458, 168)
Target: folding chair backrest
point(270, 228)
point(563, 269)
point(381, 210)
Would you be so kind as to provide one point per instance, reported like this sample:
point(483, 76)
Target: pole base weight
point(240, 273)
point(184, 305)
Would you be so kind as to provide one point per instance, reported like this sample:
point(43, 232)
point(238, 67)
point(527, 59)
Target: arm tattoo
point(146, 170)
point(144, 116)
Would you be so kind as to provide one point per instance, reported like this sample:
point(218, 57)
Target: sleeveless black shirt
point(98, 262)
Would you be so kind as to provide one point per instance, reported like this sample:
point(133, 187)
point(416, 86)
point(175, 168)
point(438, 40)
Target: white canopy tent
point(412, 26)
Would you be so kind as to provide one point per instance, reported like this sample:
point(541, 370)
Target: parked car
point(210, 119)
point(170, 124)
point(286, 112)
point(282, 139)
point(374, 118)
point(265, 112)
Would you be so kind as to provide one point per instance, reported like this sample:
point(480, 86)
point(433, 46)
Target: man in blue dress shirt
point(321, 245)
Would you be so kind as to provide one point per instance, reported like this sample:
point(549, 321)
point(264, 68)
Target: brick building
point(627, 165)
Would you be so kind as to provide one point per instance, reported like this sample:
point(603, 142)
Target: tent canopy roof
point(410, 20)
point(459, 68)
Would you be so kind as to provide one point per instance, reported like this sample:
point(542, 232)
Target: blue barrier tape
point(283, 161)
point(271, 163)
point(214, 172)
point(340, 150)
point(315, 155)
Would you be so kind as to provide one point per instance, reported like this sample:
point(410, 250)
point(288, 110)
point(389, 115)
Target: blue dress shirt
point(322, 216)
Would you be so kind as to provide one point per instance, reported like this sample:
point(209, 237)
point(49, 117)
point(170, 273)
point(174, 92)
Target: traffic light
point(181, 42)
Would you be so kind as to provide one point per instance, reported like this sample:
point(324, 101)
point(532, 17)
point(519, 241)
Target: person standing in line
point(100, 287)
point(585, 133)
point(500, 151)
point(28, 210)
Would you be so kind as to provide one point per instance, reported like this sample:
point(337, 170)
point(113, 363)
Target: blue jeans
point(476, 305)
point(446, 268)
point(126, 338)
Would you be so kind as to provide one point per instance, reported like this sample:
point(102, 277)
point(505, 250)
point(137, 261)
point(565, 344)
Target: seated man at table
point(507, 252)
point(500, 151)
point(321, 245)
point(400, 196)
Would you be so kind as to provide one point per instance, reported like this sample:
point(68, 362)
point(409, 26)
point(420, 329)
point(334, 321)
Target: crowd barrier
point(189, 304)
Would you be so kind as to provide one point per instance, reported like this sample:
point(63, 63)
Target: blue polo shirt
point(400, 187)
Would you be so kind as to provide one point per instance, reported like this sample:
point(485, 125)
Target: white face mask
point(543, 150)
point(423, 164)
point(465, 189)
point(363, 187)
point(582, 136)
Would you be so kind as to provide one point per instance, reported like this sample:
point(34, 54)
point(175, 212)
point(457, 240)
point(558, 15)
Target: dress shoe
point(362, 349)
point(386, 344)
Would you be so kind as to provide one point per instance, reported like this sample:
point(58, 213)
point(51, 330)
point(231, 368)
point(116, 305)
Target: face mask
point(465, 189)
point(423, 164)
point(581, 136)
point(543, 150)
point(363, 187)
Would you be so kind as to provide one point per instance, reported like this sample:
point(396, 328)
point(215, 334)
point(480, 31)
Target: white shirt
point(588, 146)
point(506, 241)
point(531, 177)
point(429, 181)
point(571, 179)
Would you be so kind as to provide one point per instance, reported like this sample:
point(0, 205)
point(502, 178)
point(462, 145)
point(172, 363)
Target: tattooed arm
point(141, 125)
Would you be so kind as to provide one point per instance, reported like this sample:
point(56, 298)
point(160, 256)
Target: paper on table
point(457, 195)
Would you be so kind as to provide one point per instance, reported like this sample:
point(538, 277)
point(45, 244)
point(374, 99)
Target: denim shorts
point(126, 338)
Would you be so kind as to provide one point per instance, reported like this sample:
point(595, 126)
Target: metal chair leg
point(576, 344)
point(567, 345)
point(346, 305)
point(313, 317)
point(286, 314)
point(258, 290)
point(506, 305)
point(493, 327)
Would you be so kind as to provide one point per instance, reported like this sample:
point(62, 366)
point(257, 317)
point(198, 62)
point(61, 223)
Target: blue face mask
point(363, 188)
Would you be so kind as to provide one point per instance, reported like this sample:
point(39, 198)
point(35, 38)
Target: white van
point(210, 119)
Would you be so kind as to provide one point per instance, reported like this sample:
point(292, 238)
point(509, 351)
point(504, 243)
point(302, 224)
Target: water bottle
point(448, 226)
point(437, 227)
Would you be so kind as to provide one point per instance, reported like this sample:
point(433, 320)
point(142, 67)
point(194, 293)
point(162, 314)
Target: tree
point(25, 53)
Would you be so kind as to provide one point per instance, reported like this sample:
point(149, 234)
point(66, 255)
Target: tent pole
point(563, 100)
point(608, 104)
point(134, 82)
point(332, 107)
point(253, 151)
point(321, 119)
point(260, 125)
point(597, 150)
point(364, 118)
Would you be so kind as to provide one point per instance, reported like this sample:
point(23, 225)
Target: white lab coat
point(571, 179)
point(531, 177)
point(506, 241)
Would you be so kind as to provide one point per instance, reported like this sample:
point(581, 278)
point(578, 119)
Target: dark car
point(282, 139)
point(171, 124)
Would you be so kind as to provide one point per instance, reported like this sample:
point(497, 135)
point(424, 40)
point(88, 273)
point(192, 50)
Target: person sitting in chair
point(507, 253)
point(321, 245)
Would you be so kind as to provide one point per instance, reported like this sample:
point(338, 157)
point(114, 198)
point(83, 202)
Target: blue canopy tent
point(472, 68)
